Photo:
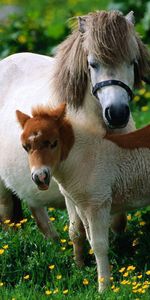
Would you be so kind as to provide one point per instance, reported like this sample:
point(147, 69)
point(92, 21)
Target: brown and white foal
point(97, 181)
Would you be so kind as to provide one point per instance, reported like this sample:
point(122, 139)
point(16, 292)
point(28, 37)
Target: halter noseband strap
point(104, 83)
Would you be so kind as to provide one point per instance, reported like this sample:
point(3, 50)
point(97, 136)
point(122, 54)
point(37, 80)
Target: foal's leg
point(119, 222)
point(98, 219)
point(76, 233)
point(43, 222)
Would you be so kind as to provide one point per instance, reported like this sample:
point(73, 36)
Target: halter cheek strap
point(104, 83)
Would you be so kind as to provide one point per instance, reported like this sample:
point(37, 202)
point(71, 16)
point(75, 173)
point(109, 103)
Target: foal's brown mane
point(112, 39)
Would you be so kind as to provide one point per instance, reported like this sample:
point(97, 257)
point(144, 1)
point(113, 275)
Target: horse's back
point(20, 73)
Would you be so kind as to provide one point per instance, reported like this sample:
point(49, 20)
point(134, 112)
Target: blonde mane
point(112, 39)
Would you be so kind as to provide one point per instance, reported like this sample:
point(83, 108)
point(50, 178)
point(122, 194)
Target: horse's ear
point(60, 112)
point(22, 118)
point(81, 24)
point(130, 17)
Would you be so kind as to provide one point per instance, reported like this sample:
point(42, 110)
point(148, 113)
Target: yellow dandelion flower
point(129, 217)
point(55, 291)
point(101, 279)
point(51, 208)
point(1, 283)
point(26, 277)
point(23, 221)
point(70, 243)
point(130, 268)
point(63, 241)
point(111, 278)
point(85, 281)
point(48, 292)
point(52, 219)
point(66, 228)
point(136, 98)
point(91, 251)
point(126, 274)
point(142, 223)
point(113, 287)
point(134, 291)
point(116, 290)
point(138, 214)
point(139, 290)
point(11, 224)
point(139, 276)
point(148, 272)
point(135, 242)
point(51, 267)
point(18, 225)
point(142, 92)
point(1, 251)
point(65, 292)
point(63, 248)
point(59, 276)
point(6, 221)
point(144, 108)
point(134, 283)
point(5, 247)
point(122, 270)
point(124, 282)
point(22, 39)
point(145, 286)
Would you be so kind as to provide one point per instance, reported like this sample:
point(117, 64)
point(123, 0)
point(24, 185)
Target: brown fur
point(52, 124)
point(112, 39)
point(137, 139)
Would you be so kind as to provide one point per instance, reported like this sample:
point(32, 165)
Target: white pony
point(104, 52)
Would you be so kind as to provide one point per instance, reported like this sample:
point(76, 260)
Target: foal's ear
point(59, 113)
point(22, 118)
point(82, 24)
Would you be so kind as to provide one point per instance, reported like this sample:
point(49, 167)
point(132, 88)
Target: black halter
point(104, 83)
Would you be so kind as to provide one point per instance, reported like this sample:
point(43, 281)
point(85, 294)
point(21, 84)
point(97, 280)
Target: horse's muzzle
point(41, 178)
point(117, 116)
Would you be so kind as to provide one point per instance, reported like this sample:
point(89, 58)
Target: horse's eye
point(54, 144)
point(26, 147)
point(93, 65)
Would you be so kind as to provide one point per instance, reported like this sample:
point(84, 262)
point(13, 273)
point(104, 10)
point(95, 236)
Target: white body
point(103, 181)
point(24, 82)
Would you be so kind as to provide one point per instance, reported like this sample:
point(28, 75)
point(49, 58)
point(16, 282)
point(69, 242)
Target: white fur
point(102, 181)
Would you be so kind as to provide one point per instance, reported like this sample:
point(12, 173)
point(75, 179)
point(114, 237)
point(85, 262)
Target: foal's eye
point(93, 65)
point(46, 143)
point(26, 147)
point(54, 144)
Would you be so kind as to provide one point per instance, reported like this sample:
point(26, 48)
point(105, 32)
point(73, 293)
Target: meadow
point(32, 267)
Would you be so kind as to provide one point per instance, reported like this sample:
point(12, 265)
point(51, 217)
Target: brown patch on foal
point(137, 139)
point(46, 125)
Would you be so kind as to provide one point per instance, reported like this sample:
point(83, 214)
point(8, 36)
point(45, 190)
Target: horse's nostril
point(117, 115)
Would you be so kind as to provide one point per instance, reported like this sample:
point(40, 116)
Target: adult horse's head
point(47, 137)
point(106, 51)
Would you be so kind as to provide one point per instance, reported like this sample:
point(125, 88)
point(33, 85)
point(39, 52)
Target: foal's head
point(47, 137)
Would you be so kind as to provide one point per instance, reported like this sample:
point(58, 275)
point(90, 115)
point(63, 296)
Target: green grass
point(28, 253)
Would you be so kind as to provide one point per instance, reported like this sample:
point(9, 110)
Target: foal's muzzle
point(41, 178)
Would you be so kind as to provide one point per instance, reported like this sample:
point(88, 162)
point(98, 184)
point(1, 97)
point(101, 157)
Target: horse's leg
point(43, 222)
point(119, 222)
point(10, 205)
point(6, 203)
point(76, 233)
point(98, 219)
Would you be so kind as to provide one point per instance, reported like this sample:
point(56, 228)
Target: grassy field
point(34, 268)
